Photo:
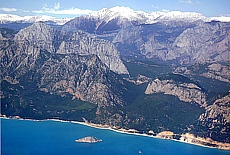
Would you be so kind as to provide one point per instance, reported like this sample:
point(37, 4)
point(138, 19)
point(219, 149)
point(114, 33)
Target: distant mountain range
point(10, 18)
point(125, 13)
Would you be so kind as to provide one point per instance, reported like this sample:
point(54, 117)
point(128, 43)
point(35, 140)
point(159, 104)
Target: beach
point(185, 138)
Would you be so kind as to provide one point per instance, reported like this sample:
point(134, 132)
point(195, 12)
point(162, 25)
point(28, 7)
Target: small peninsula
point(89, 139)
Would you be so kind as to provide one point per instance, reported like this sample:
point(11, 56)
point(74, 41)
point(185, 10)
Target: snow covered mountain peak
point(126, 11)
point(177, 15)
point(119, 12)
point(122, 12)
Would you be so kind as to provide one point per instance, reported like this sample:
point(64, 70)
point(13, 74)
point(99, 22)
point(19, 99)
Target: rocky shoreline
point(185, 138)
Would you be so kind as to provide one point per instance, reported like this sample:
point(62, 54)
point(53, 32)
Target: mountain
point(120, 17)
point(33, 59)
point(46, 38)
point(10, 18)
point(208, 41)
point(113, 19)
point(122, 68)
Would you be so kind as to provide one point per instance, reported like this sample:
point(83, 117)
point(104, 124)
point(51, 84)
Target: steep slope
point(187, 92)
point(213, 77)
point(41, 36)
point(151, 41)
point(214, 70)
point(31, 60)
point(205, 42)
point(84, 77)
point(84, 44)
point(106, 20)
point(180, 45)
point(216, 119)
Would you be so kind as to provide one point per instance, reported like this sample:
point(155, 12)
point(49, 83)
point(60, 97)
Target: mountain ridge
point(118, 12)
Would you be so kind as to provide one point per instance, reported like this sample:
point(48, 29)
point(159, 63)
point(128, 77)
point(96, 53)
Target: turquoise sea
point(25, 137)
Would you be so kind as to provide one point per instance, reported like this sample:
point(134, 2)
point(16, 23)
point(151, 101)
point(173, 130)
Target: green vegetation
point(146, 68)
point(213, 88)
point(161, 112)
point(31, 103)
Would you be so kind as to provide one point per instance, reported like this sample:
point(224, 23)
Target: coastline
point(167, 135)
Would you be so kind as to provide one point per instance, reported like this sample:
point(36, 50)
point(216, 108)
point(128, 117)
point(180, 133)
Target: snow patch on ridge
point(221, 18)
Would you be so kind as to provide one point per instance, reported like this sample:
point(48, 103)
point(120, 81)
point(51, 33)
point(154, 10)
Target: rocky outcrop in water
point(88, 140)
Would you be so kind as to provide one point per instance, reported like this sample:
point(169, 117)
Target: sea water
point(25, 137)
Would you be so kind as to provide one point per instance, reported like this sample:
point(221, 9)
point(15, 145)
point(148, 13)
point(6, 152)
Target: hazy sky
point(73, 8)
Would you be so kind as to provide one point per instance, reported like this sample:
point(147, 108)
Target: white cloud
point(56, 9)
point(186, 1)
point(8, 9)
point(72, 11)
point(57, 6)
point(38, 11)
point(155, 7)
point(24, 10)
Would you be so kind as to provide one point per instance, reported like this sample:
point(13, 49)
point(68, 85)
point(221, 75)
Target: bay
point(27, 137)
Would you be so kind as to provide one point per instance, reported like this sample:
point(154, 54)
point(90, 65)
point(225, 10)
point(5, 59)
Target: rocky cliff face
point(187, 92)
point(218, 112)
point(39, 35)
point(85, 77)
point(205, 42)
point(152, 41)
point(180, 44)
point(218, 71)
point(217, 119)
point(84, 44)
